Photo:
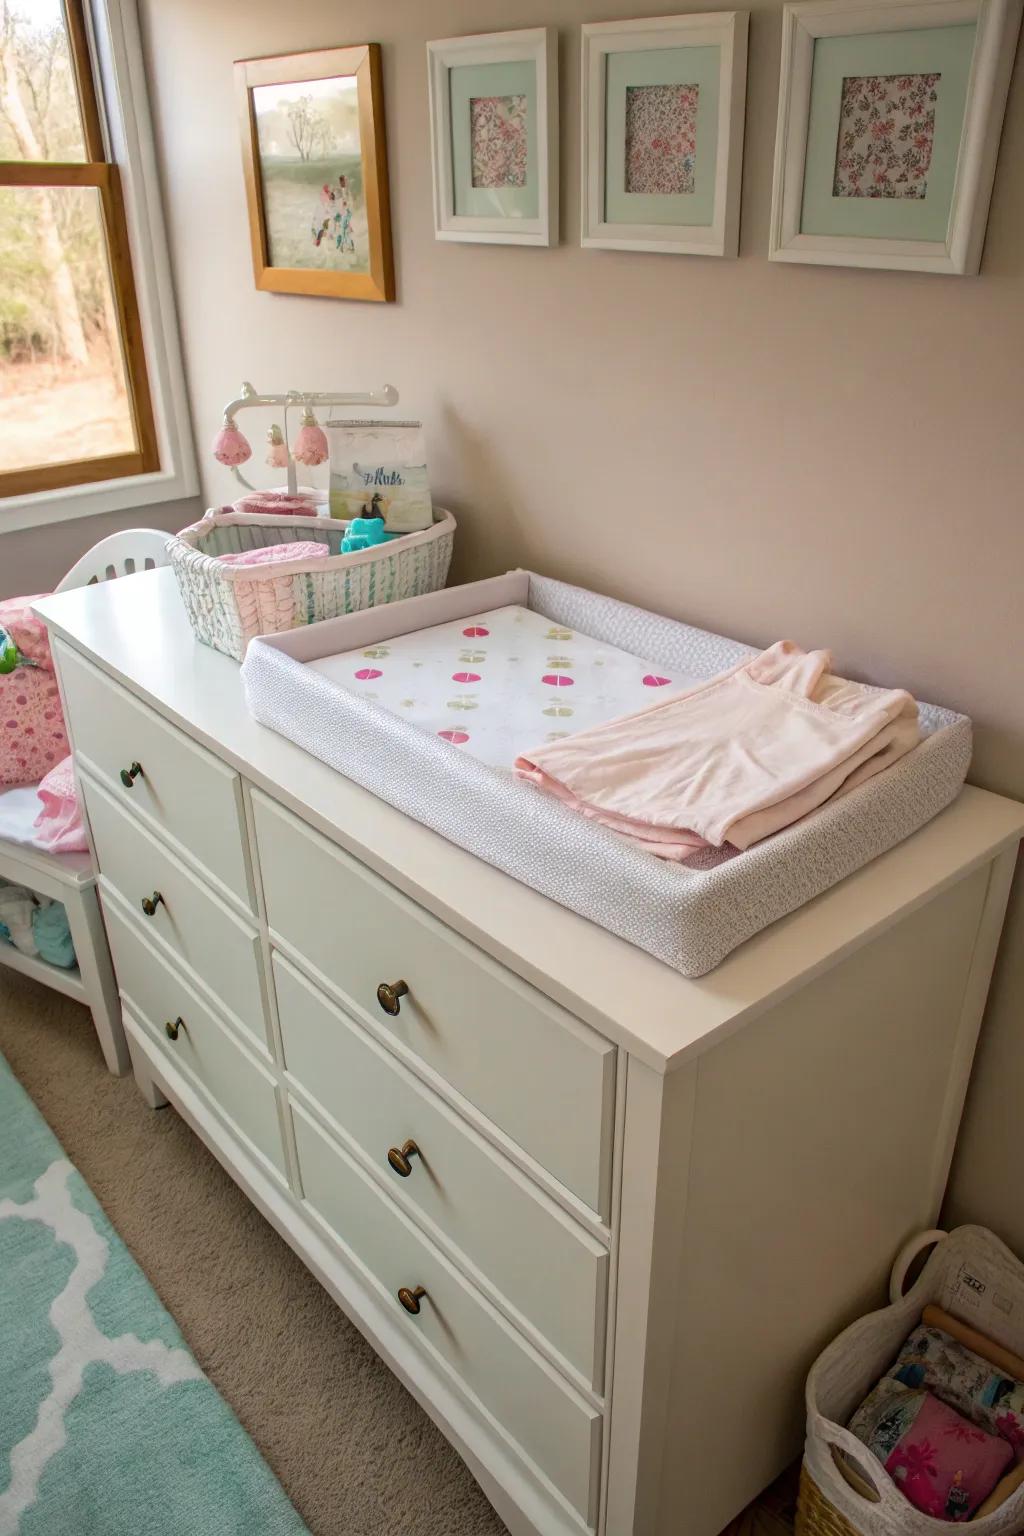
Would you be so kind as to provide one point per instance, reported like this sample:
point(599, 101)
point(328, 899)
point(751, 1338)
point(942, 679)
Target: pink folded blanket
point(59, 827)
point(735, 759)
point(274, 554)
point(276, 504)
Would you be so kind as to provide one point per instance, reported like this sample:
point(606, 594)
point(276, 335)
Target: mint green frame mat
point(924, 50)
point(700, 66)
point(517, 78)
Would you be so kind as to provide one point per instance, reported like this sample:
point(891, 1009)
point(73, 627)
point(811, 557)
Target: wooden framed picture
point(890, 113)
point(662, 133)
point(316, 172)
point(494, 137)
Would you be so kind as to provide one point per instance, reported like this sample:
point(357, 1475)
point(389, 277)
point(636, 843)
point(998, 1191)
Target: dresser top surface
point(136, 630)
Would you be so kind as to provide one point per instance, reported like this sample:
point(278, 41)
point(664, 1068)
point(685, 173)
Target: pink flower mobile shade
point(230, 446)
point(277, 452)
point(310, 445)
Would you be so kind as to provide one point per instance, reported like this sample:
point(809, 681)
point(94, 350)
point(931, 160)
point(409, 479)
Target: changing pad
point(688, 915)
point(539, 681)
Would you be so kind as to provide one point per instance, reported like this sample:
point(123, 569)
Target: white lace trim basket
point(970, 1274)
point(228, 604)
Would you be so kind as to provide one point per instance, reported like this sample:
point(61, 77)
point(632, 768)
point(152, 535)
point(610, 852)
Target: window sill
point(62, 506)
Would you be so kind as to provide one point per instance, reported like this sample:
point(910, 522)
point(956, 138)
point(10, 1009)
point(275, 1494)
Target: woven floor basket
point(844, 1490)
point(815, 1516)
point(228, 604)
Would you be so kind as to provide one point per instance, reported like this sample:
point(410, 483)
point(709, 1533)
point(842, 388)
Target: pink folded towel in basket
point(298, 549)
point(277, 504)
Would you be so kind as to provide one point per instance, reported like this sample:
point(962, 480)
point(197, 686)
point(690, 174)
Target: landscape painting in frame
point(313, 143)
point(311, 169)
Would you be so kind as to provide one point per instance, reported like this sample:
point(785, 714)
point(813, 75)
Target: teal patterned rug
point(107, 1425)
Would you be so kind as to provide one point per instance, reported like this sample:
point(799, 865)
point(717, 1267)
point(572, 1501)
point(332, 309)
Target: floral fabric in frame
point(886, 135)
point(661, 138)
point(498, 140)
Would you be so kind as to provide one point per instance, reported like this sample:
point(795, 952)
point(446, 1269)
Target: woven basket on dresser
point(228, 604)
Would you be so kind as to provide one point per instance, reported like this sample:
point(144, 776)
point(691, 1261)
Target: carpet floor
point(355, 1453)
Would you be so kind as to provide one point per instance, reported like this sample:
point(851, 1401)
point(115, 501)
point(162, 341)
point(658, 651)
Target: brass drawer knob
point(411, 1299)
point(175, 1028)
point(399, 1157)
point(150, 903)
point(129, 775)
point(388, 994)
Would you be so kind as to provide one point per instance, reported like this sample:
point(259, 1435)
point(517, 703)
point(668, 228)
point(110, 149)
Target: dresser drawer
point(480, 1201)
point(190, 795)
point(205, 1048)
point(553, 1425)
point(223, 950)
point(539, 1074)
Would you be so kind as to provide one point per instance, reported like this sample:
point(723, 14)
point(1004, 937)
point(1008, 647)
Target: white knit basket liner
point(688, 917)
point(324, 589)
point(843, 1375)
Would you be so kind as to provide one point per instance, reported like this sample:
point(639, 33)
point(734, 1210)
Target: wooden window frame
point(100, 172)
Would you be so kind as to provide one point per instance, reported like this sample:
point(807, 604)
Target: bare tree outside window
point(74, 400)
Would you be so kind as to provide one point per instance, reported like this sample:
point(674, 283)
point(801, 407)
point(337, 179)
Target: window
point(76, 401)
point(85, 301)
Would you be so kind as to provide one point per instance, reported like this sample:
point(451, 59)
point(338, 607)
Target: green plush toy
point(10, 656)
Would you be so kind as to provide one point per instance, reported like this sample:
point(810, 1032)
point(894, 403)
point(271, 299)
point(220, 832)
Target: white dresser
point(597, 1217)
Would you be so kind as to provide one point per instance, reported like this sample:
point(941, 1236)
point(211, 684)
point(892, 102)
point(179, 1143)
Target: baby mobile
point(232, 448)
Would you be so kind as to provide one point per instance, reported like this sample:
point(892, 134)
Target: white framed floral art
point(494, 137)
point(890, 114)
point(662, 133)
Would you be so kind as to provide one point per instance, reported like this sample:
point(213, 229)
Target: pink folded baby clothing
point(59, 827)
point(272, 554)
point(733, 760)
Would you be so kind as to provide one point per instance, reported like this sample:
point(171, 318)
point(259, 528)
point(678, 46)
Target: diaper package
point(379, 469)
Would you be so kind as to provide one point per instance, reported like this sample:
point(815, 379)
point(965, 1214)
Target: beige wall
point(35, 559)
point(766, 450)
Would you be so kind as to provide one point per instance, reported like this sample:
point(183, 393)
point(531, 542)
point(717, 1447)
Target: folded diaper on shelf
point(35, 925)
point(52, 933)
point(17, 905)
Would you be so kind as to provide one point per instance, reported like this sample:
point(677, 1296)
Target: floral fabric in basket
point(945, 1465)
point(931, 1358)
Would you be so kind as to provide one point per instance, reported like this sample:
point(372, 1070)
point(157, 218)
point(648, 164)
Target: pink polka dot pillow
point(32, 733)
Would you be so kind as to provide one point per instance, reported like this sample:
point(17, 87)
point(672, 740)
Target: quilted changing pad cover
point(499, 683)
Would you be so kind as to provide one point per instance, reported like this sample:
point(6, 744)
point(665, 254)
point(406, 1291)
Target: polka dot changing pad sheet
point(499, 683)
